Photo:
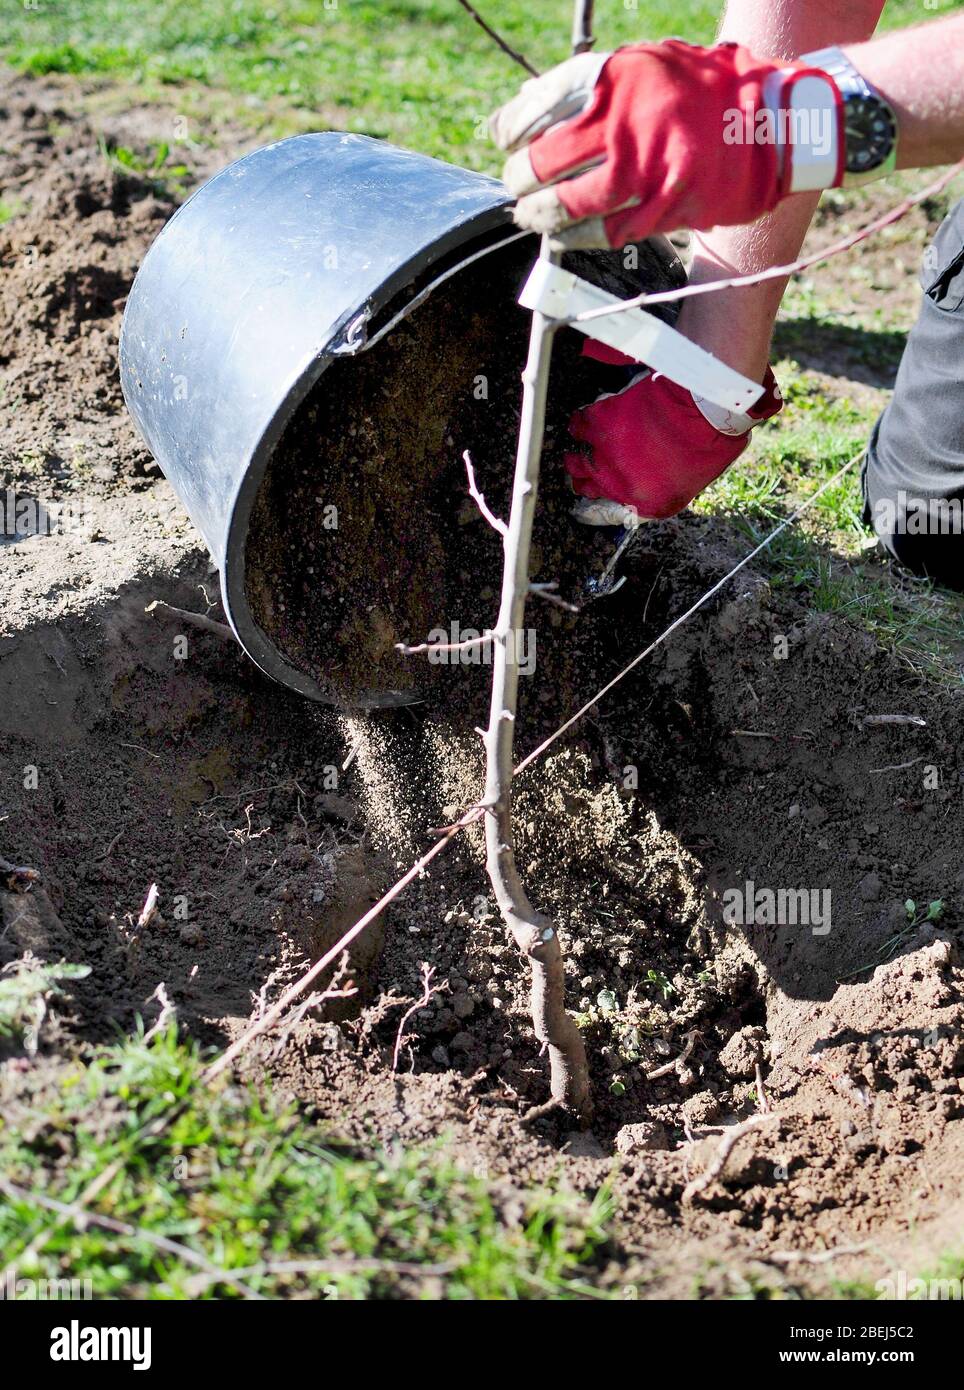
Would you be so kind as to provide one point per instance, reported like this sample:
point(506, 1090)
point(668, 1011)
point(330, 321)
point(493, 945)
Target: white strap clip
point(557, 294)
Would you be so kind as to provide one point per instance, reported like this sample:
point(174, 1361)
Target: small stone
point(582, 1144)
point(463, 1042)
point(870, 887)
point(190, 933)
point(862, 1142)
point(330, 1038)
point(744, 1051)
point(297, 856)
point(701, 1109)
point(463, 1005)
point(645, 1136)
point(331, 806)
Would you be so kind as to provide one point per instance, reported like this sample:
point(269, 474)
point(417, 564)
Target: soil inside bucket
point(364, 535)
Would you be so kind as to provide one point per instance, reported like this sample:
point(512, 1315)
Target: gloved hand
point(654, 445)
point(664, 135)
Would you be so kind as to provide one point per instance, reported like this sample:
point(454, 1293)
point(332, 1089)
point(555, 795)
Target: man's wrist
point(867, 123)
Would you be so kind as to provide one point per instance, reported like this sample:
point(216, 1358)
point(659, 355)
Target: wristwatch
point(870, 125)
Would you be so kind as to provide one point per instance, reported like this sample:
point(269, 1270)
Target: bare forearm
point(921, 73)
point(736, 325)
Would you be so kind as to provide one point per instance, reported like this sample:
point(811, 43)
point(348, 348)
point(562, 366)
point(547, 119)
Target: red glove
point(652, 448)
point(665, 135)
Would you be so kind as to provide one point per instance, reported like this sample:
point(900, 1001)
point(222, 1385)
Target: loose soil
point(714, 763)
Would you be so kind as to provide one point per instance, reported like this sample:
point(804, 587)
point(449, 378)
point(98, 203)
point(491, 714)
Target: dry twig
point(729, 1141)
point(81, 1218)
point(820, 1257)
point(872, 721)
point(200, 620)
point(677, 1062)
point(498, 39)
point(428, 990)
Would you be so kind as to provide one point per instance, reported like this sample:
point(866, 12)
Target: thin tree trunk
point(535, 934)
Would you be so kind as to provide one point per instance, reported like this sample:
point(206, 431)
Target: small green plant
point(916, 918)
point(606, 1002)
point(932, 913)
point(659, 981)
point(26, 989)
point(154, 167)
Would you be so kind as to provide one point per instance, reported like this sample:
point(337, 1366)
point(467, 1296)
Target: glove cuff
point(735, 422)
point(803, 115)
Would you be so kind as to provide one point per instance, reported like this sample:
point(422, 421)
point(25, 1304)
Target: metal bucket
point(298, 253)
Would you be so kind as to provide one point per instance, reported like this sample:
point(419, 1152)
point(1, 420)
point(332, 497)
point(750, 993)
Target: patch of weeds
point(820, 557)
point(10, 208)
point(916, 918)
point(660, 982)
point(790, 458)
point(26, 988)
point(155, 167)
point(942, 1282)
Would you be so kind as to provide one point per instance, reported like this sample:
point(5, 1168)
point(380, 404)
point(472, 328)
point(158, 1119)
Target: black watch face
point(871, 133)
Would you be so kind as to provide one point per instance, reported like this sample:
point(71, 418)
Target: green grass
point(823, 557)
point(243, 1182)
point(946, 1276)
point(416, 71)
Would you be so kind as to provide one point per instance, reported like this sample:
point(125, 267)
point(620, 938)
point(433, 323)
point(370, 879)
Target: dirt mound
point(67, 261)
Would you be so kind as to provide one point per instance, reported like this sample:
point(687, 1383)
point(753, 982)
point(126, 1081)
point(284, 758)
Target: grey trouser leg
point(913, 475)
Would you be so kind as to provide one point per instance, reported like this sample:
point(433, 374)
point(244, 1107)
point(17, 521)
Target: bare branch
point(498, 39)
point(535, 936)
point(428, 990)
point(547, 591)
point(480, 502)
point(582, 35)
point(194, 619)
point(468, 645)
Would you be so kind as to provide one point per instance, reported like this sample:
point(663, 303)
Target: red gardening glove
point(663, 135)
point(651, 446)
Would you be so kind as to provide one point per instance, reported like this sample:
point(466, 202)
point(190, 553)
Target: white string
point(678, 622)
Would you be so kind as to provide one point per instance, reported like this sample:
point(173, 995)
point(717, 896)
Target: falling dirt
point(737, 754)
